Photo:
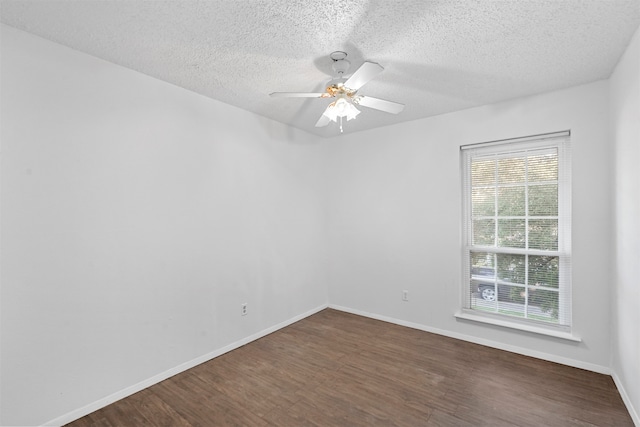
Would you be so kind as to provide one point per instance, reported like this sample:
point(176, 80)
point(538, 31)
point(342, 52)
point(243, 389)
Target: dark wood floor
point(338, 369)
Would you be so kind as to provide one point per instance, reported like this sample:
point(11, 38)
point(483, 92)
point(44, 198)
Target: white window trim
point(465, 315)
point(564, 242)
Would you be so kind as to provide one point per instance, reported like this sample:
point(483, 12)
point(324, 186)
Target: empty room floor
point(339, 369)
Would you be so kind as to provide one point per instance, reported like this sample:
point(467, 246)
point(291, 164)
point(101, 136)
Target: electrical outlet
point(405, 295)
point(243, 309)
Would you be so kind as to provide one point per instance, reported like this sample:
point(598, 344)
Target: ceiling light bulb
point(341, 108)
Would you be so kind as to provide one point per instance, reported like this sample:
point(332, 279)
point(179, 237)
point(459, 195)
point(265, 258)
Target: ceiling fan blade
point(362, 75)
point(380, 104)
point(298, 95)
point(323, 120)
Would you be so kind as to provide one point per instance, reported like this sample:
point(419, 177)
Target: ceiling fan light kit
point(341, 108)
point(346, 93)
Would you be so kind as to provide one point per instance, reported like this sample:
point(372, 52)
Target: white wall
point(625, 115)
point(136, 218)
point(396, 209)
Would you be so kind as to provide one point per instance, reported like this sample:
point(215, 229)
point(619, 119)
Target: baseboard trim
point(101, 403)
point(626, 399)
point(494, 344)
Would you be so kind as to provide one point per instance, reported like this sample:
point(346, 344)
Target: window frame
point(560, 141)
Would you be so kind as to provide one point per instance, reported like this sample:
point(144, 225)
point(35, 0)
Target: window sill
point(519, 326)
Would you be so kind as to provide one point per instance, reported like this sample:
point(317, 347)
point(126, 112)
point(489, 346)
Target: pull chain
point(341, 131)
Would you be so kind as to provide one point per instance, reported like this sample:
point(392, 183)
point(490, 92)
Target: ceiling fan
point(346, 92)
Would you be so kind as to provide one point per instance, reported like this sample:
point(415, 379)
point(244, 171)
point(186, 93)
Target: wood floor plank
point(293, 416)
point(442, 419)
point(380, 408)
point(338, 369)
point(155, 411)
point(210, 408)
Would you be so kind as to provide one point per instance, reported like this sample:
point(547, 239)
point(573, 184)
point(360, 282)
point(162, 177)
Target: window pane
point(483, 201)
point(484, 261)
point(503, 299)
point(511, 300)
point(483, 172)
point(544, 303)
point(543, 271)
point(543, 200)
point(511, 268)
point(543, 234)
point(511, 233)
point(489, 304)
point(484, 232)
point(543, 168)
point(482, 280)
point(511, 201)
point(511, 170)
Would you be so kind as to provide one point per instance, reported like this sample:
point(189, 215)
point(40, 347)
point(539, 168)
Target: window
point(517, 232)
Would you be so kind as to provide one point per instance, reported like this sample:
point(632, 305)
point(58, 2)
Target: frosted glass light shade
point(341, 108)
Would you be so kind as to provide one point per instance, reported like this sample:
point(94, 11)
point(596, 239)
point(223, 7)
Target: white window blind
point(517, 230)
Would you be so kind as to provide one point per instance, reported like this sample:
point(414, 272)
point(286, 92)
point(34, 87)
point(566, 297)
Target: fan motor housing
point(340, 64)
point(339, 89)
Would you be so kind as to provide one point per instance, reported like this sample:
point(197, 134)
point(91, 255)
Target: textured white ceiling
point(439, 56)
